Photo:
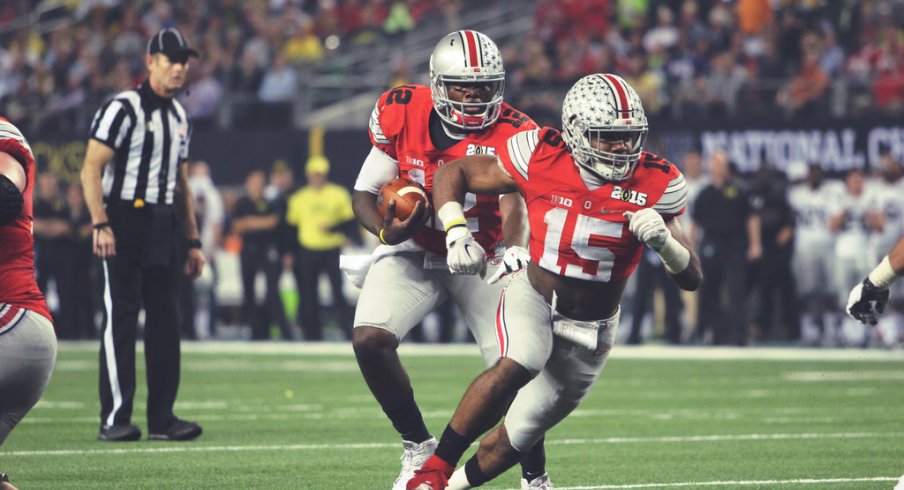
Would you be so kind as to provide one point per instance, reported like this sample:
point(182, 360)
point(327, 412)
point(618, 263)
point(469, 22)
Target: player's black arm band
point(11, 201)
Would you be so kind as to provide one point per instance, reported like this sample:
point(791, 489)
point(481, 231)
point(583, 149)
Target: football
point(405, 193)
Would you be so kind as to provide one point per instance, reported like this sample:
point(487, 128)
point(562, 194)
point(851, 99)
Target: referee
point(139, 140)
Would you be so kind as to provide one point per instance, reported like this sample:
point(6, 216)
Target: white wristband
point(674, 256)
point(452, 214)
point(883, 275)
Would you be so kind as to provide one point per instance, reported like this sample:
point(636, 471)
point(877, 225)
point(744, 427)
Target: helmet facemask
point(468, 116)
point(466, 58)
point(595, 117)
point(609, 165)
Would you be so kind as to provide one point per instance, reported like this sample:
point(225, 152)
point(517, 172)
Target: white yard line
point(394, 445)
point(621, 351)
point(736, 483)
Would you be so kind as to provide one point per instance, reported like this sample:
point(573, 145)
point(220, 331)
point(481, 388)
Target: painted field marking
point(736, 483)
point(555, 442)
point(651, 352)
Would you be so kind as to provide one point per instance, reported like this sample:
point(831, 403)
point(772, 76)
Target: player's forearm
point(890, 269)
point(515, 227)
point(94, 196)
point(896, 257)
point(690, 278)
point(185, 206)
point(364, 204)
point(449, 184)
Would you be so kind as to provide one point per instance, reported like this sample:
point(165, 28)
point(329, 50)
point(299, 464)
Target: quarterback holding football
point(415, 130)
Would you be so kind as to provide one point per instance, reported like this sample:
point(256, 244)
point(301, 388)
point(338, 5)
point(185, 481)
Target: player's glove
point(11, 200)
point(514, 259)
point(649, 227)
point(465, 255)
point(866, 302)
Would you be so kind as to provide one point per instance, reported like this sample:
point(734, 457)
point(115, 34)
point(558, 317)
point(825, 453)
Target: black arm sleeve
point(11, 201)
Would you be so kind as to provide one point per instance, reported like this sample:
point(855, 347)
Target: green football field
point(297, 416)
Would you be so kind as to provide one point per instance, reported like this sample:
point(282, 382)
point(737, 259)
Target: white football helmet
point(598, 108)
point(466, 57)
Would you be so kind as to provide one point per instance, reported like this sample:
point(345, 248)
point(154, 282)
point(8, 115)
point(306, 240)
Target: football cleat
point(434, 475)
point(180, 430)
point(119, 433)
point(539, 483)
point(413, 458)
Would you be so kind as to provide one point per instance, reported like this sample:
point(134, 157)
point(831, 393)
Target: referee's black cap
point(171, 43)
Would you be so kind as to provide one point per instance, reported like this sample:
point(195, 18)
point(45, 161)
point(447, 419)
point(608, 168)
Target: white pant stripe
point(109, 349)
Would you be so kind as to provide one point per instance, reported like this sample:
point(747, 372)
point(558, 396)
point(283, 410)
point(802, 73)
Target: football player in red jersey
point(594, 199)
point(415, 130)
point(27, 339)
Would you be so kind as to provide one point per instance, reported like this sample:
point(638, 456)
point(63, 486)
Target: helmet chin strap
point(590, 178)
point(452, 131)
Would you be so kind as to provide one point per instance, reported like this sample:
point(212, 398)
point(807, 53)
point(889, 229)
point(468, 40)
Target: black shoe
point(119, 432)
point(180, 430)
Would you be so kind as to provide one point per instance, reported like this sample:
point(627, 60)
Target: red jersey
point(577, 230)
point(399, 126)
point(18, 286)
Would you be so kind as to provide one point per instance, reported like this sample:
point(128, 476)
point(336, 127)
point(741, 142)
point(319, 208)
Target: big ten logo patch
point(417, 162)
point(480, 150)
point(563, 201)
point(628, 195)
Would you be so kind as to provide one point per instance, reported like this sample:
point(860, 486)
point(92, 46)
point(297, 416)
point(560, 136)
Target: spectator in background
point(888, 88)
point(278, 88)
point(199, 300)
point(731, 239)
point(82, 285)
point(322, 211)
point(813, 262)
point(255, 219)
point(850, 214)
point(754, 16)
point(399, 21)
point(804, 95)
point(304, 46)
point(651, 276)
point(280, 187)
point(203, 97)
point(773, 277)
point(53, 249)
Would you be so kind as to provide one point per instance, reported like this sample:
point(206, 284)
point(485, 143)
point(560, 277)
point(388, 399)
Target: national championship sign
point(836, 149)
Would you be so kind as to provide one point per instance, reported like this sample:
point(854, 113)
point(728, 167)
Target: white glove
point(649, 227)
point(514, 259)
point(465, 255)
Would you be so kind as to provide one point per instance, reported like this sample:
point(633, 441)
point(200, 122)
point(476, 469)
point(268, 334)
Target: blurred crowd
point(687, 58)
point(718, 59)
point(56, 61)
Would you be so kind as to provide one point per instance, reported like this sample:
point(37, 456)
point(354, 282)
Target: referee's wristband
point(102, 225)
point(194, 243)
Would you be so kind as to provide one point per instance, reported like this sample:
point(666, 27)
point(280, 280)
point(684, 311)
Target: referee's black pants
point(129, 284)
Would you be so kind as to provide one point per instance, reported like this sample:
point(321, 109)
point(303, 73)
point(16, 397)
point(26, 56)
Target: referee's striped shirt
point(150, 137)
